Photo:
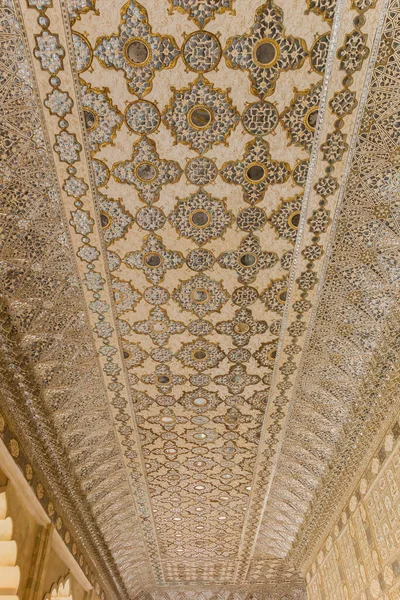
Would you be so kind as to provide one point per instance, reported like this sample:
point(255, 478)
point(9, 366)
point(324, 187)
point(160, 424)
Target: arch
point(10, 574)
point(60, 590)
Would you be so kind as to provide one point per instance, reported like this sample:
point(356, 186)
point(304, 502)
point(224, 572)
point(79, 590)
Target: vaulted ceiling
point(200, 267)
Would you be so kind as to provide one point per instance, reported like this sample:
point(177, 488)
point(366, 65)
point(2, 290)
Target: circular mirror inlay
point(294, 220)
point(163, 379)
point(200, 401)
point(200, 354)
point(91, 119)
point(153, 259)
point(167, 420)
point(200, 218)
point(272, 354)
point(200, 296)
point(146, 172)
point(199, 436)
point(310, 120)
point(137, 52)
point(237, 378)
point(266, 52)
point(241, 328)
point(248, 259)
point(105, 220)
point(200, 117)
point(255, 173)
point(281, 297)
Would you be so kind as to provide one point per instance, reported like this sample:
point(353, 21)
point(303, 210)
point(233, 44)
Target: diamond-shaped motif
point(164, 379)
point(200, 115)
point(158, 326)
point(135, 50)
point(248, 259)
point(154, 259)
point(146, 171)
point(266, 51)
point(201, 217)
point(255, 171)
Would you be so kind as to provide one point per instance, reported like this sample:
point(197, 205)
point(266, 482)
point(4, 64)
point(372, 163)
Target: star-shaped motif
point(255, 171)
point(158, 326)
point(200, 354)
point(237, 379)
point(200, 295)
point(201, 217)
point(200, 115)
point(266, 51)
point(248, 259)
point(242, 327)
point(136, 51)
point(154, 259)
point(300, 118)
point(146, 171)
point(164, 379)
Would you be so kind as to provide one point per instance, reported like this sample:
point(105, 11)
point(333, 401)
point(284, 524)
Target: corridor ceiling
point(200, 274)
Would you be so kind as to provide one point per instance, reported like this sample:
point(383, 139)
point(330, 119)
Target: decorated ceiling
point(200, 267)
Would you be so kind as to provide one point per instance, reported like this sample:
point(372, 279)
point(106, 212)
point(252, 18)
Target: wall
point(42, 556)
point(360, 559)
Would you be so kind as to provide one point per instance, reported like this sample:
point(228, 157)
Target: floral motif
point(201, 52)
point(135, 50)
point(59, 103)
point(49, 51)
point(158, 326)
point(334, 147)
point(266, 51)
point(300, 118)
point(75, 186)
point(67, 147)
point(248, 259)
point(200, 295)
point(142, 117)
point(78, 7)
point(146, 171)
point(237, 379)
point(274, 297)
point(201, 170)
point(200, 355)
point(200, 115)
point(81, 221)
point(202, 12)
point(343, 102)
point(154, 259)
point(115, 220)
point(201, 217)
point(260, 118)
point(256, 171)
point(102, 118)
point(242, 327)
point(353, 52)
point(286, 218)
